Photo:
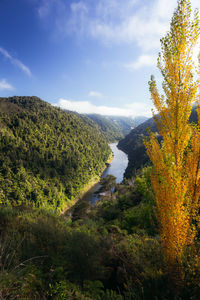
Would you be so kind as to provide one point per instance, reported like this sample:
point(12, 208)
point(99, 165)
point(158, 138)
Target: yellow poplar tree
point(176, 160)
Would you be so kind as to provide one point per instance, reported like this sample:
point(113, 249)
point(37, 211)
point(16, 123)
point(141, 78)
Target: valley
point(90, 250)
point(99, 188)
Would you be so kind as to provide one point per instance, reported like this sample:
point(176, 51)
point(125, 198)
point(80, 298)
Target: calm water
point(117, 168)
point(118, 164)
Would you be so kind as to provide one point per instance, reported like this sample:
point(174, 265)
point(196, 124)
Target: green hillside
point(115, 128)
point(110, 130)
point(46, 155)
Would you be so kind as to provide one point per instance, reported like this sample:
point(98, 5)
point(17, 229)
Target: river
point(117, 168)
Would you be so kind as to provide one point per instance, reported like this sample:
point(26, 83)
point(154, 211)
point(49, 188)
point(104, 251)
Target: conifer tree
point(176, 160)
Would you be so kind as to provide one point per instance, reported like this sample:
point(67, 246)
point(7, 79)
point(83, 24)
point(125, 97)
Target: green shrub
point(140, 217)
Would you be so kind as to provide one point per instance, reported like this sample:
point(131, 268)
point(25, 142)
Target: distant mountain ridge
point(46, 155)
point(133, 144)
point(115, 127)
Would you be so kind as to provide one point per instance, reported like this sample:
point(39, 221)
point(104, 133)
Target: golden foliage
point(176, 173)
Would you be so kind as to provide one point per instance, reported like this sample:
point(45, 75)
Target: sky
point(91, 56)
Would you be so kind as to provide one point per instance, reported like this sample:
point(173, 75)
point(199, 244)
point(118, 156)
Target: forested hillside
point(46, 155)
point(115, 127)
point(133, 144)
point(141, 239)
point(110, 130)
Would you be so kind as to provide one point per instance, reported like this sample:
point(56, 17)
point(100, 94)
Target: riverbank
point(84, 190)
point(116, 168)
point(87, 187)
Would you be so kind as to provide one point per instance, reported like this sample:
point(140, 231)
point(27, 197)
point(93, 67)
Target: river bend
point(117, 168)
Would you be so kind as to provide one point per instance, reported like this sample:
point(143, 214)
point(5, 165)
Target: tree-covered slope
point(110, 130)
point(115, 127)
point(46, 155)
point(133, 144)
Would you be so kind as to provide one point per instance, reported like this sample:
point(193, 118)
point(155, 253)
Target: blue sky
point(89, 56)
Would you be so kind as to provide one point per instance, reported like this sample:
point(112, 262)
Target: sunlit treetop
point(176, 161)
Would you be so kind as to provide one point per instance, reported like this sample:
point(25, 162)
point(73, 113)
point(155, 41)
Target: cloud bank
point(86, 107)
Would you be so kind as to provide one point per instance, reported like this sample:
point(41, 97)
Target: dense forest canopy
point(46, 155)
point(114, 128)
point(110, 129)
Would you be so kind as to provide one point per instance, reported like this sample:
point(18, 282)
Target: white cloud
point(86, 107)
point(4, 85)
point(142, 61)
point(95, 94)
point(140, 108)
point(15, 62)
point(113, 21)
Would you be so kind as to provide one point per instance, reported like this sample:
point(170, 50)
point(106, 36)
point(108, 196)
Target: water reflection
point(118, 164)
point(117, 168)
